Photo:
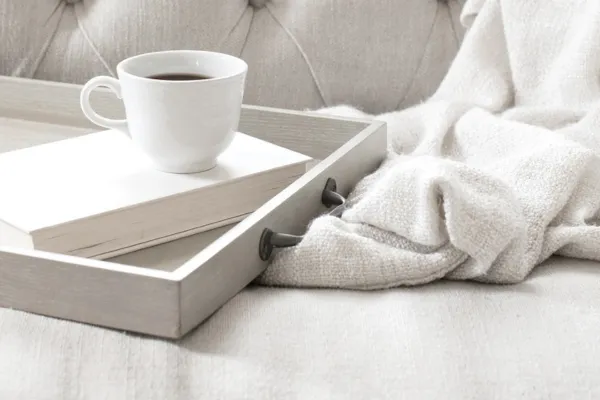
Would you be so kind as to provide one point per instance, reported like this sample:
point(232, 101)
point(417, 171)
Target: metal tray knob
point(269, 239)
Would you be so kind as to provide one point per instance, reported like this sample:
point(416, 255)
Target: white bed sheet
point(447, 340)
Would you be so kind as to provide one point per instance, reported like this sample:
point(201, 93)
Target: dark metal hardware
point(270, 239)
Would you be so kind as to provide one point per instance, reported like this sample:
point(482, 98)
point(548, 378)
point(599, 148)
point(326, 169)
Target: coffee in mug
point(182, 107)
point(179, 77)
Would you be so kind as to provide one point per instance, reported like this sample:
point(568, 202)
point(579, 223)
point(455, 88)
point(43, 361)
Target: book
point(98, 196)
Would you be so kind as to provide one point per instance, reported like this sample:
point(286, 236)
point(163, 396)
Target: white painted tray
point(169, 289)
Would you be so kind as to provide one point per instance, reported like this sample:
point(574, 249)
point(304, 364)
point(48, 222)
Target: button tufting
point(257, 3)
point(72, 1)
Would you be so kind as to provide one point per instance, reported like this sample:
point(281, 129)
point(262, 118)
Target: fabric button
point(257, 3)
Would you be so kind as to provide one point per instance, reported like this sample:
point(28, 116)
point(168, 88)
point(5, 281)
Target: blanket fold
point(493, 174)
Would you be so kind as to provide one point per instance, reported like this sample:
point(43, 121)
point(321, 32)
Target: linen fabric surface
point(493, 174)
point(446, 340)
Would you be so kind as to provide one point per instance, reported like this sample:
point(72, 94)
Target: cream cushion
point(378, 56)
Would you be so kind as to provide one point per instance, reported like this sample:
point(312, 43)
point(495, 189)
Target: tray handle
point(269, 239)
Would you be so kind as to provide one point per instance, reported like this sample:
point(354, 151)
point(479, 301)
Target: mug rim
point(121, 66)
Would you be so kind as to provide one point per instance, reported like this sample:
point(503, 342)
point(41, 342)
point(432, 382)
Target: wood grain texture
point(145, 291)
point(169, 256)
point(54, 102)
point(18, 134)
point(231, 262)
point(313, 134)
point(71, 288)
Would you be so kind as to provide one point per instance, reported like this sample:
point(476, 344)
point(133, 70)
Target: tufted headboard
point(379, 55)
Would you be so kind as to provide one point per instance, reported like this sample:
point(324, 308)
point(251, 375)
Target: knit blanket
point(498, 170)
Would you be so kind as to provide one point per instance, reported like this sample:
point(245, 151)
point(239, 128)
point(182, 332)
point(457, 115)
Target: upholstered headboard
point(378, 55)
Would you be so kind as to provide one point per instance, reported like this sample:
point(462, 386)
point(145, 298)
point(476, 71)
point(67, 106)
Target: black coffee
point(179, 77)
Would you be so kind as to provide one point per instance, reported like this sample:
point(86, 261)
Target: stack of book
point(98, 196)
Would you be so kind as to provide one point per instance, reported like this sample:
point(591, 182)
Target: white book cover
point(44, 189)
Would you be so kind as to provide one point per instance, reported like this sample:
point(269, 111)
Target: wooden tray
point(169, 289)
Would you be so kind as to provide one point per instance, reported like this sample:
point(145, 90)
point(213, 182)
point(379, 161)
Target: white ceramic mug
point(181, 125)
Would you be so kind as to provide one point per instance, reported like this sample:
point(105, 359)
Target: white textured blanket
point(497, 171)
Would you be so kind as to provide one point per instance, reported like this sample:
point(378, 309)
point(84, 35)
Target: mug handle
point(84, 99)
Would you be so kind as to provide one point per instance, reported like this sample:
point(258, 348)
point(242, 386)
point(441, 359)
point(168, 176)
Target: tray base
point(169, 289)
point(171, 255)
